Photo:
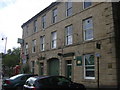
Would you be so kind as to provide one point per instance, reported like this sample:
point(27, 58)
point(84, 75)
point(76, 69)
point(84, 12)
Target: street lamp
point(98, 57)
point(5, 43)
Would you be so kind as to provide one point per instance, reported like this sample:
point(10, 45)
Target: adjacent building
point(79, 40)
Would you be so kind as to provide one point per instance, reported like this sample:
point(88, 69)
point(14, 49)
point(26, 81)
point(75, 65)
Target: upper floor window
point(44, 21)
point(27, 29)
point(26, 48)
point(54, 18)
point(35, 26)
point(42, 43)
point(69, 36)
point(68, 8)
point(88, 29)
point(33, 46)
point(54, 40)
point(87, 4)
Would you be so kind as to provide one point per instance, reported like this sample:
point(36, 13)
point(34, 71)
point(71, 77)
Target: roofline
point(40, 13)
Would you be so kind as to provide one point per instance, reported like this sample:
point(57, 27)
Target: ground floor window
point(89, 66)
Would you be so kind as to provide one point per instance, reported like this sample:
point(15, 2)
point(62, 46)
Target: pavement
point(102, 88)
point(0, 84)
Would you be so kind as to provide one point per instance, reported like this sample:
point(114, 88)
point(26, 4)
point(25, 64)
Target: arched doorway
point(53, 66)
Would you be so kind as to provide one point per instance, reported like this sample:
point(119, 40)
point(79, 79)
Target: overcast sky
point(13, 13)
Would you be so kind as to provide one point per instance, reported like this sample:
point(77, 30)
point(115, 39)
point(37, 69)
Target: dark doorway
point(69, 68)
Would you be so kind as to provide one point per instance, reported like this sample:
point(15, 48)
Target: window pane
point(33, 45)
point(88, 34)
point(33, 49)
point(88, 23)
point(26, 46)
point(35, 26)
point(89, 65)
point(43, 46)
point(54, 19)
point(43, 21)
point(69, 40)
point(89, 60)
point(90, 68)
point(69, 32)
point(90, 73)
point(43, 18)
point(54, 44)
point(41, 39)
point(69, 5)
point(54, 15)
point(54, 37)
point(55, 12)
point(87, 4)
point(69, 12)
point(69, 9)
point(26, 49)
point(42, 42)
point(34, 42)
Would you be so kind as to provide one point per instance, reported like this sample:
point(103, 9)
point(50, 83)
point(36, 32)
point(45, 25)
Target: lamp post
point(98, 57)
point(5, 43)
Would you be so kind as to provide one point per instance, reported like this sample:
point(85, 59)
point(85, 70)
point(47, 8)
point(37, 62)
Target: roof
point(42, 12)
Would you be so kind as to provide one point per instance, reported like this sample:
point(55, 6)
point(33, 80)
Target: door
point(69, 68)
point(53, 66)
point(41, 68)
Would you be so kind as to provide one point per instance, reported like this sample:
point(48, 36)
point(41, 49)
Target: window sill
point(87, 41)
point(89, 78)
point(53, 48)
point(42, 50)
point(68, 45)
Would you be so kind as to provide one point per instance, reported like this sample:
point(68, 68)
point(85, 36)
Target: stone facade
point(69, 60)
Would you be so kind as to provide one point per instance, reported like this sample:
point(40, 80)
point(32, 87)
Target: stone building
point(78, 40)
